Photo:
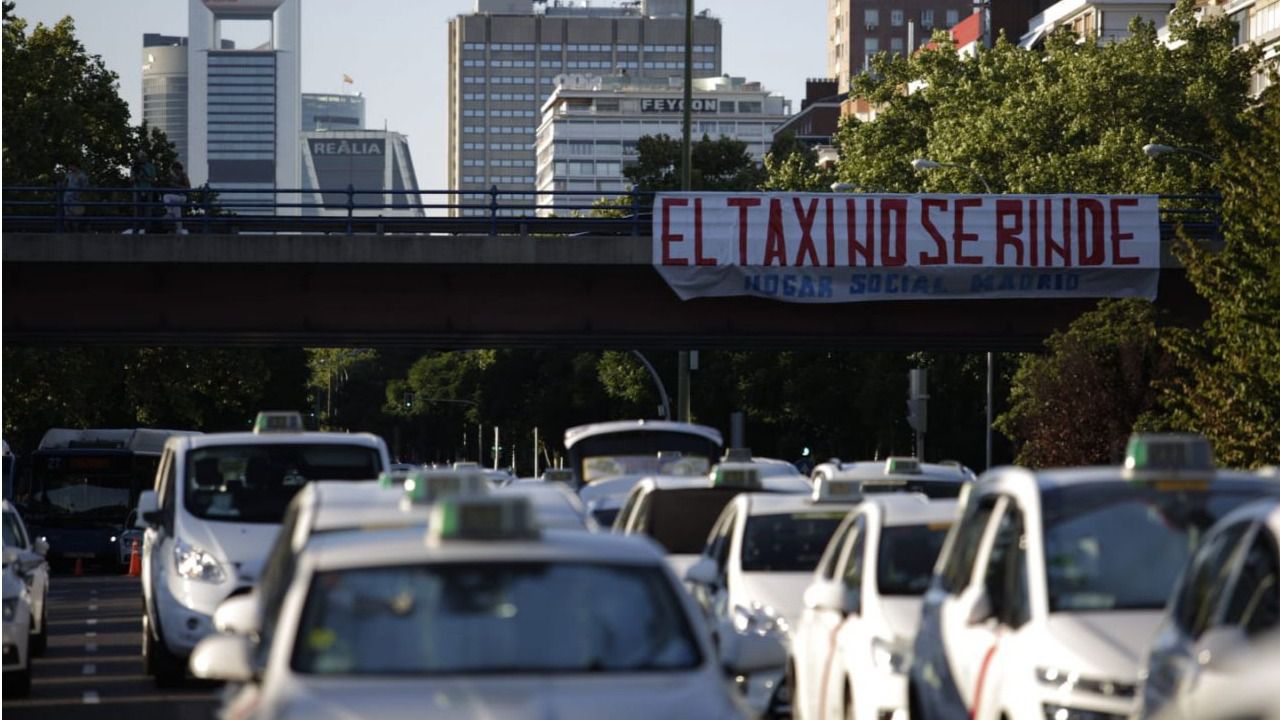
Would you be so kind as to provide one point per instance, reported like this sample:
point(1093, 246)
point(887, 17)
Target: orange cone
point(135, 561)
point(79, 567)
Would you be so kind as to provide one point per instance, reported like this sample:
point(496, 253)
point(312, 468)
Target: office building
point(364, 160)
point(164, 86)
point(1259, 24)
point(590, 126)
point(819, 116)
point(504, 57)
point(244, 105)
point(1106, 20)
point(332, 111)
point(859, 29)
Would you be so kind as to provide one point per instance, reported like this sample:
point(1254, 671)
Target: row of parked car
point(735, 588)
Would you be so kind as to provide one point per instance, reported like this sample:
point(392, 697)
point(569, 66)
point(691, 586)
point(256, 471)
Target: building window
point(895, 44)
point(752, 106)
point(953, 17)
point(895, 18)
point(871, 18)
point(926, 19)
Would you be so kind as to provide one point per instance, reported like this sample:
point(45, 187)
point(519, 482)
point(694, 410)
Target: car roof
point(371, 548)
point(350, 504)
point(910, 508)
point(575, 435)
point(774, 503)
point(872, 470)
point(775, 484)
point(308, 437)
point(555, 505)
point(1063, 477)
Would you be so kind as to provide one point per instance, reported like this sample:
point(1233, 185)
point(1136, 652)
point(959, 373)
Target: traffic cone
point(79, 567)
point(135, 561)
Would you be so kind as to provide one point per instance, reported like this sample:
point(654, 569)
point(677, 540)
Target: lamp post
point(686, 184)
point(920, 165)
point(1155, 150)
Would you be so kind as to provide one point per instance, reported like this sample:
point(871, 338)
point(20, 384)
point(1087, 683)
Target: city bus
point(83, 483)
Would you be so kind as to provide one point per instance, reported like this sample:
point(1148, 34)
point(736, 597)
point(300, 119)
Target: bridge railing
point(352, 211)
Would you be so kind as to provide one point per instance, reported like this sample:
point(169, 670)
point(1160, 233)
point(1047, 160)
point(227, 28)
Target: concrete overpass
point(585, 291)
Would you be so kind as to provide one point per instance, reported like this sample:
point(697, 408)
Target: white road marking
point(90, 669)
point(90, 633)
point(91, 697)
point(93, 607)
point(91, 621)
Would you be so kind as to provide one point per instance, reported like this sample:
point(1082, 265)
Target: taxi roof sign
point(481, 518)
point(737, 455)
point(269, 421)
point(739, 475)
point(1167, 455)
point(836, 489)
point(560, 475)
point(902, 466)
point(432, 486)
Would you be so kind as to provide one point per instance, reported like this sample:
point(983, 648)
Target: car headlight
point(1072, 682)
point(759, 620)
point(10, 609)
point(893, 656)
point(195, 563)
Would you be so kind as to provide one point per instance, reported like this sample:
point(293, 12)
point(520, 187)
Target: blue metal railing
point(350, 211)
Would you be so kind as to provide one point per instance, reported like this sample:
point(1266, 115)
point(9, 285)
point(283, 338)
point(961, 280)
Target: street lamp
point(843, 187)
point(1155, 150)
point(920, 165)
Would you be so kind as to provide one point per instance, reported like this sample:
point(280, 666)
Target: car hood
point(550, 697)
point(1110, 645)
point(782, 591)
point(243, 545)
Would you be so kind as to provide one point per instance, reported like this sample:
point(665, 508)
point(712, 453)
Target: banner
point(828, 248)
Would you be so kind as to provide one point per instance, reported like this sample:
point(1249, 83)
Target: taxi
point(862, 608)
point(17, 628)
point(758, 559)
point(482, 615)
point(679, 512)
point(899, 474)
point(1227, 600)
point(218, 503)
point(1051, 586)
point(33, 568)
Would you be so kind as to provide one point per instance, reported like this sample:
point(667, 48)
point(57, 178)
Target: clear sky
point(397, 52)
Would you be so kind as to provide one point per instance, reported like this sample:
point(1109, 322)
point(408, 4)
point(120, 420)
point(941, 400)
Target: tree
point(1229, 387)
point(1077, 403)
point(722, 164)
point(1071, 118)
point(792, 165)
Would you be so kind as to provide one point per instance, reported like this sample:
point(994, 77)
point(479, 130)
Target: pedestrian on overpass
point(176, 199)
point(143, 173)
point(73, 194)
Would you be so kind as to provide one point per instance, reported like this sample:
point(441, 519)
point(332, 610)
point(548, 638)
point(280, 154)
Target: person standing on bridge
point(144, 178)
point(176, 199)
point(73, 194)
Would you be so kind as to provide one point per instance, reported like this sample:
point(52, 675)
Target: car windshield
point(1121, 546)
point(787, 542)
point(254, 483)
point(599, 467)
point(904, 562)
point(934, 489)
point(479, 618)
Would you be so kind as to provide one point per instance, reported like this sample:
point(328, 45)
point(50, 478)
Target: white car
point(1052, 584)
point(862, 608)
point(679, 512)
point(1246, 689)
point(553, 502)
point(751, 576)
point(482, 615)
point(1227, 599)
point(218, 503)
point(899, 474)
point(32, 567)
point(17, 628)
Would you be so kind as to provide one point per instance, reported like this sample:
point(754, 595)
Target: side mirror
point(826, 595)
point(1219, 643)
point(239, 615)
point(223, 657)
point(745, 654)
point(149, 509)
point(41, 546)
point(980, 611)
point(10, 555)
point(703, 572)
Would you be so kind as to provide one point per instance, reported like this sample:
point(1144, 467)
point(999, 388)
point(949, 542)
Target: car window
point(623, 517)
point(852, 575)
point(1254, 603)
point(680, 520)
point(905, 558)
point(533, 618)
point(254, 483)
point(718, 545)
point(1194, 599)
point(831, 556)
point(958, 569)
point(1005, 578)
point(12, 532)
point(787, 542)
point(273, 584)
point(168, 475)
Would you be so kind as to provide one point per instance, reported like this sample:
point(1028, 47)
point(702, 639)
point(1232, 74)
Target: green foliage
point(1230, 385)
point(1069, 119)
point(1077, 404)
point(792, 165)
point(722, 164)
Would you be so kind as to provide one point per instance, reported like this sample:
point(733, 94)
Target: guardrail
point(358, 211)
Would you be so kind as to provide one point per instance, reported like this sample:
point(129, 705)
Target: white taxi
point(899, 474)
point(753, 571)
point(1228, 599)
point(862, 608)
point(17, 628)
point(1051, 586)
point(482, 615)
point(218, 504)
point(32, 567)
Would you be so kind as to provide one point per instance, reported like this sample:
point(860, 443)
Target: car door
point(812, 640)
point(714, 598)
point(1249, 608)
point(827, 621)
point(1005, 586)
point(156, 538)
point(968, 627)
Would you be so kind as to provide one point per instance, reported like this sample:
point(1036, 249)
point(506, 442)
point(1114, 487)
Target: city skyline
point(418, 39)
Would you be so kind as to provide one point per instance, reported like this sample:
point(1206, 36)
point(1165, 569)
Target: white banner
point(826, 248)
